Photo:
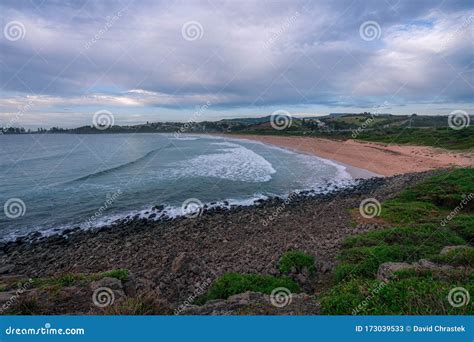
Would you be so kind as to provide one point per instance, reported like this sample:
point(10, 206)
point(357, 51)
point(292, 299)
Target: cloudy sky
point(61, 61)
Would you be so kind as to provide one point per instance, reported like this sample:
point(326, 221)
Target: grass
point(230, 284)
point(425, 218)
point(363, 254)
point(438, 137)
point(442, 137)
point(143, 305)
point(120, 274)
point(296, 260)
point(417, 295)
point(463, 256)
point(70, 279)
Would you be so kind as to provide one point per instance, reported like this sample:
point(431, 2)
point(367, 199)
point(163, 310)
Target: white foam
point(234, 162)
point(184, 138)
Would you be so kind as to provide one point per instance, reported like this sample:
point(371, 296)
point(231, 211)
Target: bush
point(462, 256)
point(297, 260)
point(230, 284)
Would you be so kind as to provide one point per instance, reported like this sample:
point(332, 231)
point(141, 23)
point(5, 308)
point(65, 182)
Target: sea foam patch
point(231, 161)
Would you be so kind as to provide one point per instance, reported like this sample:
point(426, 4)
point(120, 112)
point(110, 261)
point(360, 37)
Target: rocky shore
point(172, 261)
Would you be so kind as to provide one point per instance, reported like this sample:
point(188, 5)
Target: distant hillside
point(387, 128)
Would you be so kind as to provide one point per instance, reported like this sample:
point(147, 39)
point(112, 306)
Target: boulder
point(246, 298)
point(448, 249)
point(6, 268)
point(386, 270)
point(178, 263)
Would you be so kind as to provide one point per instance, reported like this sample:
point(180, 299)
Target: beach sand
point(381, 159)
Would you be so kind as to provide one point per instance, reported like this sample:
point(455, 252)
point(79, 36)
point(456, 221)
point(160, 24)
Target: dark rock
point(6, 268)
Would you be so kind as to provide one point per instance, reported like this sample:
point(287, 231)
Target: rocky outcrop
point(256, 303)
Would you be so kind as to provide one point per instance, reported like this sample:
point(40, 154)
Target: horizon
point(191, 120)
point(156, 61)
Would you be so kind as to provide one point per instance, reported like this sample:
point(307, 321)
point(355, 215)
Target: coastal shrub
point(410, 296)
point(365, 261)
point(399, 211)
point(120, 274)
point(230, 284)
point(362, 254)
point(463, 225)
point(446, 190)
point(432, 218)
point(439, 137)
point(412, 235)
point(296, 260)
point(463, 256)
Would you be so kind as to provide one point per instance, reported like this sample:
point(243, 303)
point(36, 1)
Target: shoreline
point(378, 159)
point(354, 171)
point(165, 212)
point(184, 253)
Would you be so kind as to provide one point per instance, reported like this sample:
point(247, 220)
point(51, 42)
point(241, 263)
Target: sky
point(62, 61)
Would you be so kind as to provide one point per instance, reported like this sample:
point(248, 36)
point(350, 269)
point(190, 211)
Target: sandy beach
point(382, 159)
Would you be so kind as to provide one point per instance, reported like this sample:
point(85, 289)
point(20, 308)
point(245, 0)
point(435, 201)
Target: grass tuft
point(296, 260)
point(231, 284)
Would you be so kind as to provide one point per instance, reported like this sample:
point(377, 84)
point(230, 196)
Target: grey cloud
point(251, 53)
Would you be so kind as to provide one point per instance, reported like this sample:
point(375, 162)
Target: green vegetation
point(142, 305)
point(463, 256)
point(437, 137)
point(364, 253)
point(388, 129)
point(230, 284)
point(70, 279)
point(417, 294)
point(426, 218)
point(121, 274)
point(296, 260)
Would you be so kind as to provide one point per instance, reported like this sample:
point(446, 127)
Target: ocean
point(52, 182)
